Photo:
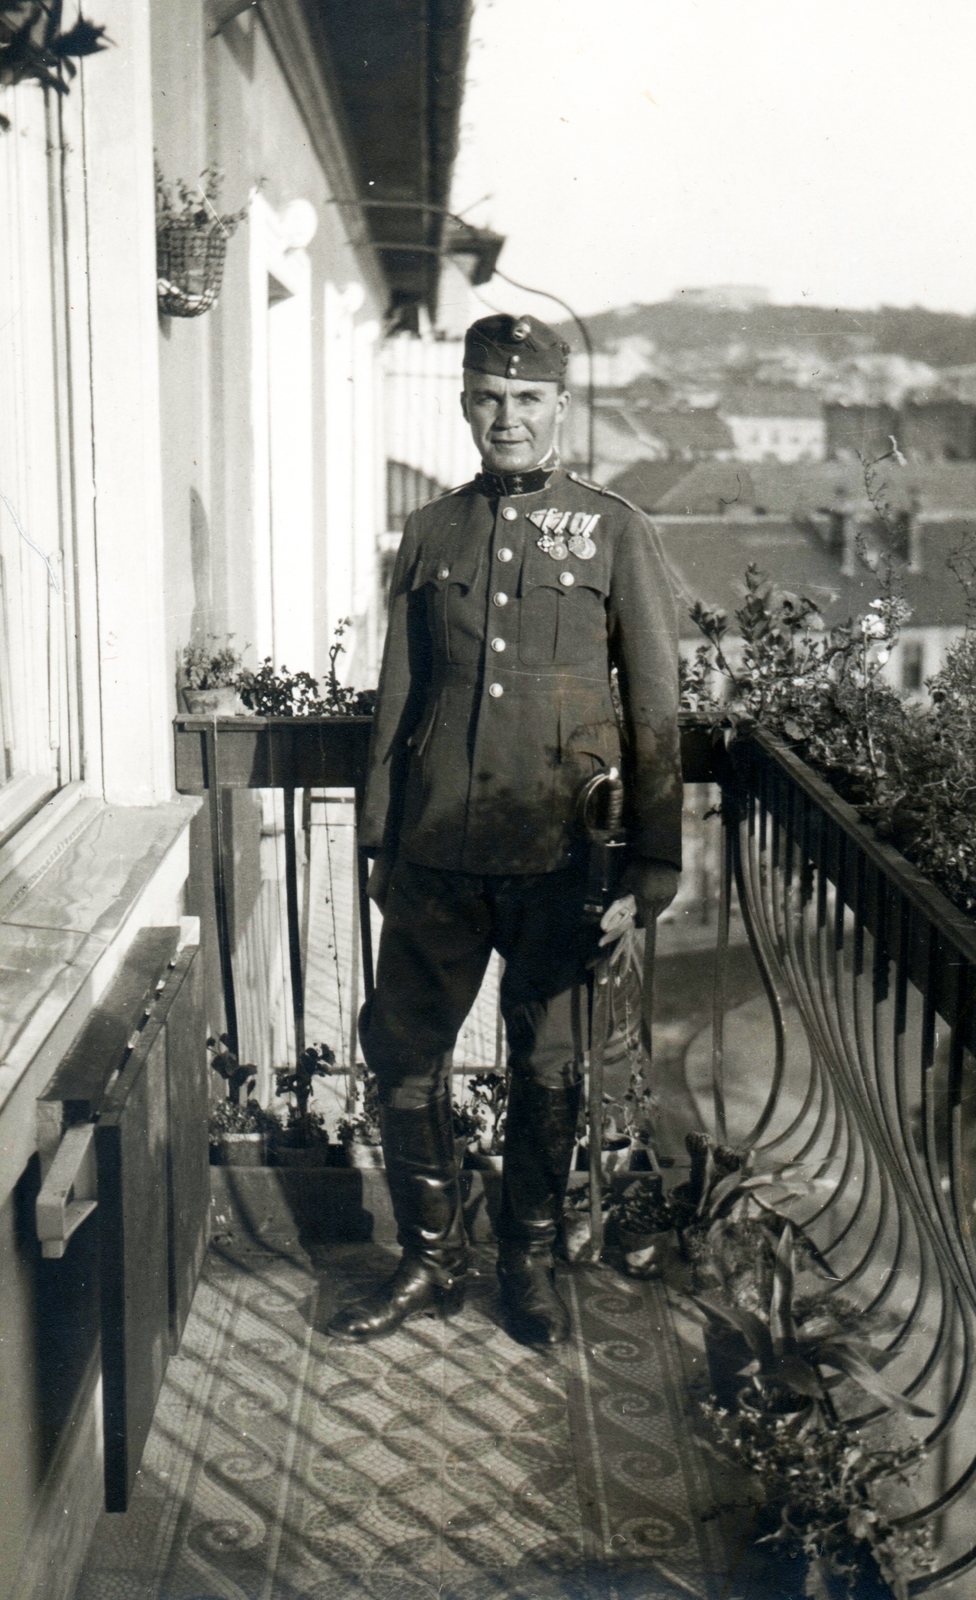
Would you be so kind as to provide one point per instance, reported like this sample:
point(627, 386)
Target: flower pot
point(615, 1157)
point(644, 1253)
point(223, 702)
point(365, 1156)
point(240, 1150)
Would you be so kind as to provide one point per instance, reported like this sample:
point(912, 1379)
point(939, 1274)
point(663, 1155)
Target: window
point(34, 582)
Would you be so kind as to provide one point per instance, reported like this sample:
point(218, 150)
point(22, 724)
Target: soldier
point(512, 599)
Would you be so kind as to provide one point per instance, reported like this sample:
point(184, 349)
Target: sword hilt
point(605, 843)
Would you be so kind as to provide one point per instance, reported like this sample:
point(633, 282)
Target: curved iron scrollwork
point(879, 971)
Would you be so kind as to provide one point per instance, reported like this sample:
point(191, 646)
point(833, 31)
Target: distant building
point(859, 430)
point(938, 430)
point(778, 424)
point(933, 491)
point(688, 435)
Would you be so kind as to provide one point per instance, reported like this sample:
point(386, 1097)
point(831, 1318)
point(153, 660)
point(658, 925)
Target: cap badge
point(565, 532)
point(521, 330)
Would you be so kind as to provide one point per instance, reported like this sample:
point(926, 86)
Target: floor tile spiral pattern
point(443, 1463)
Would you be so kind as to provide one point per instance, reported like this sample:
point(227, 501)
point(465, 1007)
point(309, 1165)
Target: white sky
point(822, 148)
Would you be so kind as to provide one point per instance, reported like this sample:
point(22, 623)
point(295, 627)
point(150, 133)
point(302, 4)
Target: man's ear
point(464, 405)
point(562, 405)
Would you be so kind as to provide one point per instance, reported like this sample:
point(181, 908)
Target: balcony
point(819, 1006)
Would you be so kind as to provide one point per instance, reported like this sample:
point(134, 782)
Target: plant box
point(240, 1150)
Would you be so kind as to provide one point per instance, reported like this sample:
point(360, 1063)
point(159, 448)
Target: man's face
point(513, 421)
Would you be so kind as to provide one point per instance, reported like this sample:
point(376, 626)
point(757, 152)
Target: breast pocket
point(563, 617)
point(454, 618)
point(538, 621)
point(581, 624)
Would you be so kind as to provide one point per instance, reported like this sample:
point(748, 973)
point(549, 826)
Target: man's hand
point(378, 884)
point(653, 884)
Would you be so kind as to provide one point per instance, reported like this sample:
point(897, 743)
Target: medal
point(565, 532)
point(556, 548)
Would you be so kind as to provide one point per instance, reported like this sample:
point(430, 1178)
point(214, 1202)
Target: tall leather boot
point(421, 1169)
point(540, 1130)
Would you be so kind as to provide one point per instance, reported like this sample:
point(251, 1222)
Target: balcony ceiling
point(398, 67)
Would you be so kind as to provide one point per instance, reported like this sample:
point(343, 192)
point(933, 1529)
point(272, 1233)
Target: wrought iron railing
point(864, 963)
point(878, 969)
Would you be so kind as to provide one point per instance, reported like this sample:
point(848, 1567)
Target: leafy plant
point(813, 1468)
point(228, 1116)
point(817, 687)
point(642, 1208)
point(305, 1127)
point(34, 46)
point(210, 665)
point(225, 1063)
point(177, 202)
point(910, 770)
point(363, 1126)
point(296, 694)
point(823, 1489)
point(489, 1096)
point(730, 1214)
point(466, 1122)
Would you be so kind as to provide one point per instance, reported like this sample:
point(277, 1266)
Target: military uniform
point(512, 599)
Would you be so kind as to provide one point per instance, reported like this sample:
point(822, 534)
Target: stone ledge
point(70, 911)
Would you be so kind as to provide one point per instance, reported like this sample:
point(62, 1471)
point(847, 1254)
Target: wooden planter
point(240, 1150)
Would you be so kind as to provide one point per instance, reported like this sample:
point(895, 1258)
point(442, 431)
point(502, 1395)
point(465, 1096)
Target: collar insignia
point(565, 533)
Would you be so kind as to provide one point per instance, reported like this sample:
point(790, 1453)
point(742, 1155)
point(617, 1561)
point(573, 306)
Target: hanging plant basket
point(189, 264)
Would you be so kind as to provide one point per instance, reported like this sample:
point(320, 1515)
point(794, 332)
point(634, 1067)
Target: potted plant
point(210, 675)
point(617, 1146)
point(488, 1098)
point(191, 243)
point(819, 1482)
point(303, 1140)
point(909, 770)
point(240, 1133)
point(467, 1129)
point(643, 1223)
point(359, 1133)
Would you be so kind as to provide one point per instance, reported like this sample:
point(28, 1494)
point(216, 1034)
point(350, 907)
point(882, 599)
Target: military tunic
point(507, 613)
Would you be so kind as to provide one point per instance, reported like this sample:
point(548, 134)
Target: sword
point(605, 846)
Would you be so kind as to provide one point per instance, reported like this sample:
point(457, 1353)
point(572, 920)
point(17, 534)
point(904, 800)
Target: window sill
point(72, 897)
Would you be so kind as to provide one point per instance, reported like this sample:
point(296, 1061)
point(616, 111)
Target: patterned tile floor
point(443, 1463)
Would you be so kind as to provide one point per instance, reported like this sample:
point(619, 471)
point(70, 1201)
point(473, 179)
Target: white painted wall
point(777, 438)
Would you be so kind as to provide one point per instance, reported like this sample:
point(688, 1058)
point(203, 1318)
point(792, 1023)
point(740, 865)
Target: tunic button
point(504, 554)
point(444, 572)
point(495, 690)
point(499, 599)
point(498, 646)
point(509, 513)
point(567, 580)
